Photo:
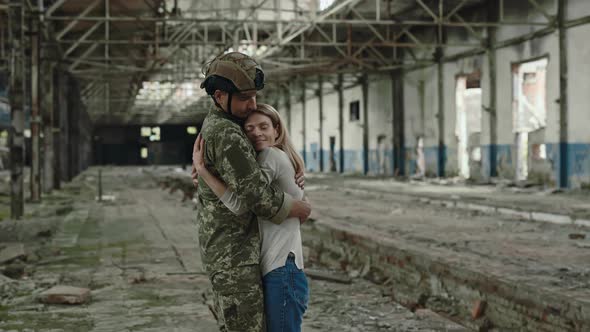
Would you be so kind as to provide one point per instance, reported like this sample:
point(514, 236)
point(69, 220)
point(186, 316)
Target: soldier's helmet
point(232, 72)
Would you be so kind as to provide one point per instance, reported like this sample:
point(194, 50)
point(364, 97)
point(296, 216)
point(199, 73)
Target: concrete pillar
point(440, 115)
point(35, 114)
point(60, 105)
point(492, 12)
point(365, 91)
point(320, 94)
point(397, 85)
point(303, 126)
point(47, 114)
point(563, 96)
point(64, 126)
point(287, 98)
point(16, 139)
point(74, 129)
point(340, 88)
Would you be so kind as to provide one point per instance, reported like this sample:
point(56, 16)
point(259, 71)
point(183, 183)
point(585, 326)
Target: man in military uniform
point(230, 244)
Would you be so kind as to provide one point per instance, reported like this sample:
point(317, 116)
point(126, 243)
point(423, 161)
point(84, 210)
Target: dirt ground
point(137, 252)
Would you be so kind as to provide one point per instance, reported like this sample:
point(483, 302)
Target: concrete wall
point(353, 131)
point(421, 106)
point(380, 127)
point(75, 135)
point(578, 96)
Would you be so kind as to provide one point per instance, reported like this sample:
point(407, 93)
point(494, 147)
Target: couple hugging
point(250, 203)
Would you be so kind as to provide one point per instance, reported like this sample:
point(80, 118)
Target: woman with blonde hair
point(285, 286)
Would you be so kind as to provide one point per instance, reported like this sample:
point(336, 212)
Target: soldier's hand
point(300, 180)
point(301, 210)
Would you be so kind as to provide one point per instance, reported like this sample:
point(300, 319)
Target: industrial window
point(155, 134)
point(146, 131)
point(191, 130)
point(355, 113)
point(152, 132)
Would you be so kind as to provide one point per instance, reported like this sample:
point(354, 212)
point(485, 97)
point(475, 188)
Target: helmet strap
point(229, 96)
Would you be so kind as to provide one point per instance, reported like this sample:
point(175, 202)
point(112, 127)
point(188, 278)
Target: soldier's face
point(242, 103)
point(260, 131)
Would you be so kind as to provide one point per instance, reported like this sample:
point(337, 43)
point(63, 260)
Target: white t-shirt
point(277, 240)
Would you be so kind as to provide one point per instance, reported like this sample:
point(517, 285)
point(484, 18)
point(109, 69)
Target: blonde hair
point(283, 141)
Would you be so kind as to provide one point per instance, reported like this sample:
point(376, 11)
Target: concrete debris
point(360, 307)
point(328, 276)
point(11, 288)
point(106, 198)
point(577, 236)
point(11, 252)
point(28, 229)
point(478, 309)
point(65, 295)
point(15, 270)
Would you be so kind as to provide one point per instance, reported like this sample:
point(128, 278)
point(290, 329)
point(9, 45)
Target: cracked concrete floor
point(139, 255)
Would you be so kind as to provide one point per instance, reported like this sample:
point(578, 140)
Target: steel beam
point(53, 8)
point(303, 99)
point(428, 10)
point(364, 80)
point(305, 24)
point(72, 24)
point(35, 180)
point(81, 58)
point(82, 39)
point(456, 9)
point(415, 44)
point(372, 28)
point(16, 140)
point(340, 88)
point(320, 95)
point(542, 11)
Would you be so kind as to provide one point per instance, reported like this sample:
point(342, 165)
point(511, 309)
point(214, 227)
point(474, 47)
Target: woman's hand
point(198, 159)
point(300, 180)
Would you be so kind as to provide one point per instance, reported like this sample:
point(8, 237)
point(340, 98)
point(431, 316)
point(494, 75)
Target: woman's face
point(260, 131)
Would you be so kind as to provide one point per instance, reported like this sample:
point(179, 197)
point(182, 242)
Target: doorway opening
point(382, 148)
point(468, 100)
point(420, 159)
point(529, 111)
point(332, 153)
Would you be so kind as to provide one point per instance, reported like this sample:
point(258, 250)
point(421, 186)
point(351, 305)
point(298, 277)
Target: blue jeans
point(286, 295)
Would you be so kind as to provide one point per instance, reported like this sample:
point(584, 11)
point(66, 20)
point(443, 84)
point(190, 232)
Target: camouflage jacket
point(228, 240)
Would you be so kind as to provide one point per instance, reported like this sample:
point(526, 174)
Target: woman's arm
point(227, 197)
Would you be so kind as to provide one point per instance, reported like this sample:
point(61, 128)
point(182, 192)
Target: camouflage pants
point(239, 299)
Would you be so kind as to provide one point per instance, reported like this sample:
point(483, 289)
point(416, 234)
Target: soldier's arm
point(240, 171)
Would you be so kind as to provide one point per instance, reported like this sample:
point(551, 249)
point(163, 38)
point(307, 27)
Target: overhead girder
point(127, 42)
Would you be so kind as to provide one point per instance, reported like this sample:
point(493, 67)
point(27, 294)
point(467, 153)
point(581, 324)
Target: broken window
point(152, 132)
point(355, 114)
point(539, 151)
